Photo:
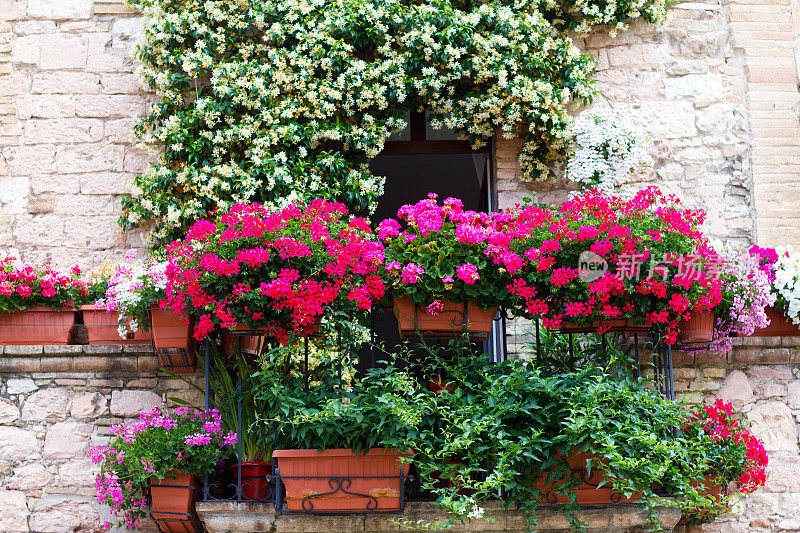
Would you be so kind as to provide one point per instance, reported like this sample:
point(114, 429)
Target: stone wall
point(69, 98)
point(56, 402)
point(716, 89)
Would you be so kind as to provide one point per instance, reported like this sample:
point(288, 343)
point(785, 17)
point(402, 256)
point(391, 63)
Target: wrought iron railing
point(237, 487)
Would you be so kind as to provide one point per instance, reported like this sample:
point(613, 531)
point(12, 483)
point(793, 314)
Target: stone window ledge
point(246, 517)
point(78, 358)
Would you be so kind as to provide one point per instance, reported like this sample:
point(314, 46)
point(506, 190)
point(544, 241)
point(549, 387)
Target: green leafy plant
point(512, 427)
point(227, 391)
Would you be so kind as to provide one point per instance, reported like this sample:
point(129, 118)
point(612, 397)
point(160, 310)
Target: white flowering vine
point(291, 99)
point(608, 151)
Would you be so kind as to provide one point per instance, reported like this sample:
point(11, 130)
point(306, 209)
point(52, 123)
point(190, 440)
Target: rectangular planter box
point(586, 489)
point(37, 325)
point(102, 328)
point(338, 480)
point(413, 320)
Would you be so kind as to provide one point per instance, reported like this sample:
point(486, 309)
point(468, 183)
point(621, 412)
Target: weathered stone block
point(89, 405)
point(47, 405)
point(131, 403)
point(793, 395)
point(66, 440)
point(773, 423)
point(39, 230)
point(70, 515)
point(60, 9)
point(20, 386)
point(19, 445)
point(736, 389)
point(30, 477)
point(112, 105)
point(9, 411)
point(63, 131)
point(65, 83)
point(89, 158)
point(704, 87)
point(27, 160)
point(26, 50)
point(62, 51)
point(77, 473)
point(13, 512)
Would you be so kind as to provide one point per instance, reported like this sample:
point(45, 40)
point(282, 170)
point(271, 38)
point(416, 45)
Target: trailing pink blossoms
point(159, 444)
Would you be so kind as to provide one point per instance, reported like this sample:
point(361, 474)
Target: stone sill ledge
point(78, 358)
point(233, 517)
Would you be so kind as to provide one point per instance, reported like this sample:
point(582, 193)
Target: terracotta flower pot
point(710, 489)
point(414, 319)
point(439, 385)
point(248, 344)
point(102, 328)
point(255, 484)
point(333, 480)
point(779, 325)
point(699, 329)
point(37, 325)
point(586, 490)
point(172, 502)
point(172, 337)
point(608, 326)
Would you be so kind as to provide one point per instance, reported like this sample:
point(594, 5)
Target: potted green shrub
point(570, 437)
point(280, 271)
point(162, 454)
point(443, 281)
point(334, 431)
point(37, 303)
point(603, 263)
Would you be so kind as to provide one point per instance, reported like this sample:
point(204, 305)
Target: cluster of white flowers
point(132, 290)
point(608, 151)
point(787, 281)
point(293, 98)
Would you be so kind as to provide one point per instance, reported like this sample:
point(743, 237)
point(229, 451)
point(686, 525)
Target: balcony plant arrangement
point(603, 263)
point(281, 272)
point(233, 388)
point(746, 296)
point(735, 458)
point(330, 439)
point(782, 267)
point(570, 438)
point(38, 303)
point(137, 292)
point(102, 324)
point(443, 281)
point(161, 454)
